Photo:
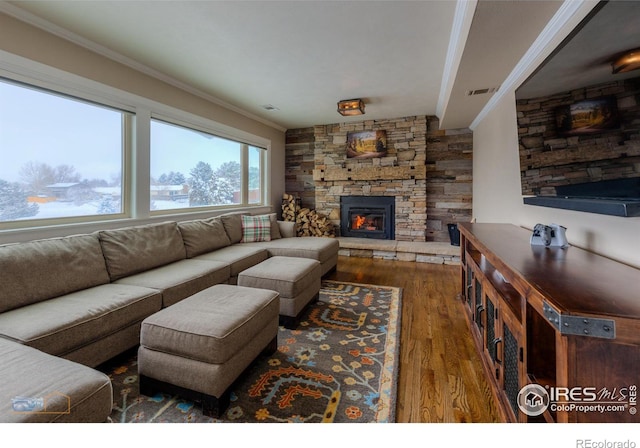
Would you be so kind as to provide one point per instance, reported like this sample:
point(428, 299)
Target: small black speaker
point(454, 234)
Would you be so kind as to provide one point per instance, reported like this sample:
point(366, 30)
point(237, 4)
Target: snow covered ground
point(58, 209)
point(64, 209)
point(169, 205)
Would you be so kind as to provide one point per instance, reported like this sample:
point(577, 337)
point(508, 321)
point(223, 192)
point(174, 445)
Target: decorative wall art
point(588, 117)
point(366, 145)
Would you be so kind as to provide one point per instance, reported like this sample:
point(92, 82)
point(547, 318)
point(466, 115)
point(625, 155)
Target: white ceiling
point(304, 56)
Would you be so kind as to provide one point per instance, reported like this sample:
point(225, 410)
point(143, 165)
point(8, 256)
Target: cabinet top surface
point(575, 280)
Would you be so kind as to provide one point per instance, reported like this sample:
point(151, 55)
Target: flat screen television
point(616, 197)
point(588, 117)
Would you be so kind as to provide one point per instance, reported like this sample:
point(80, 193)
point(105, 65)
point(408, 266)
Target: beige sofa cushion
point(289, 276)
point(39, 270)
point(181, 279)
point(213, 325)
point(275, 228)
point(233, 225)
point(71, 392)
point(316, 248)
point(136, 249)
point(239, 257)
point(203, 235)
point(62, 325)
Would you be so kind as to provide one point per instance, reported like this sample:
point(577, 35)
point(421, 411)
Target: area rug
point(339, 365)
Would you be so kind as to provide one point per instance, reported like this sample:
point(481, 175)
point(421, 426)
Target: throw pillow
point(256, 228)
point(275, 228)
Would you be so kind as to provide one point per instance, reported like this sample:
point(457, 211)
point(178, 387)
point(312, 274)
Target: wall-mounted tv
point(588, 117)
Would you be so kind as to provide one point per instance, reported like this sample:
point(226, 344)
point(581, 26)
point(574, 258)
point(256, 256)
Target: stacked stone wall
point(427, 170)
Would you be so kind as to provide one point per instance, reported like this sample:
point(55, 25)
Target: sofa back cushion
point(137, 249)
point(39, 270)
point(233, 225)
point(275, 229)
point(203, 235)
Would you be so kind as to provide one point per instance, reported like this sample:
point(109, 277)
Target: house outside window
point(61, 157)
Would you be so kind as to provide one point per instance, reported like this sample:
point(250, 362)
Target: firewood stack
point(290, 207)
point(308, 222)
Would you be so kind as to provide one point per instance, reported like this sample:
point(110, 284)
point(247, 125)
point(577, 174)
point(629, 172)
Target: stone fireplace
point(426, 174)
point(367, 217)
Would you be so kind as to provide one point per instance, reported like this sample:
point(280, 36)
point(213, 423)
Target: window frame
point(262, 181)
point(244, 169)
point(127, 143)
point(136, 156)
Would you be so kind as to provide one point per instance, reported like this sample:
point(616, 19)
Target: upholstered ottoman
point(198, 347)
point(297, 280)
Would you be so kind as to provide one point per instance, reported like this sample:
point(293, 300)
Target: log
point(308, 222)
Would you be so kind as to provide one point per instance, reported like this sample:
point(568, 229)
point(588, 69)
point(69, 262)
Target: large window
point(191, 168)
point(61, 157)
point(77, 152)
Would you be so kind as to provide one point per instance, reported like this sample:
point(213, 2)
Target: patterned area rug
point(339, 365)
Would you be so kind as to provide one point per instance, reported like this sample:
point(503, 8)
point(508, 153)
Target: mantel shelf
point(327, 173)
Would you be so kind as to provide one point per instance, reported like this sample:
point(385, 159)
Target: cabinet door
point(513, 367)
point(468, 285)
point(478, 305)
point(491, 334)
point(504, 351)
point(467, 288)
point(473, 300)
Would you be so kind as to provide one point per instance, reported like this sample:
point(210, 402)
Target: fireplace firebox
point(368, 217)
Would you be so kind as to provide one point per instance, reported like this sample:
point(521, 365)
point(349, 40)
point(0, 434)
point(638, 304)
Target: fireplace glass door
point(365, 220)
point(367, 217)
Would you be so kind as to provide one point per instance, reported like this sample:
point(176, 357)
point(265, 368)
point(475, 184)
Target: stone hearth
point(425, 252)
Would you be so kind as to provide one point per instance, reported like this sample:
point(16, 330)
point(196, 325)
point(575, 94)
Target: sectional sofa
point(83, 297)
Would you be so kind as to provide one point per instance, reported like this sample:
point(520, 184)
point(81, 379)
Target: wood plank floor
point(441, 378)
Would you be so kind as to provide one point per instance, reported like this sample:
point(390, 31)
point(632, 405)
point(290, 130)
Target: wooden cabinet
point(563, 322)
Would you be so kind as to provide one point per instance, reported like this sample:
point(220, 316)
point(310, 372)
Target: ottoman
point(297, 280)
point(199, 346)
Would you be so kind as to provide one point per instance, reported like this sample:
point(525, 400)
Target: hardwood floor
point(441, 378)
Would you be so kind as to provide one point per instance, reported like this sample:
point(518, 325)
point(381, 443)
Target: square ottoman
point(297, 280)
point(199, 346)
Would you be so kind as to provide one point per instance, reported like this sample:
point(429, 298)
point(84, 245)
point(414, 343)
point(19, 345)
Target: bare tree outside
point(36, 176)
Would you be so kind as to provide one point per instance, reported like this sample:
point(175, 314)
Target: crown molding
point(49, 27)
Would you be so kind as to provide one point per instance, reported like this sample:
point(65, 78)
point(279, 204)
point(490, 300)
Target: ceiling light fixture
point(627, 62)
point(351, 107)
